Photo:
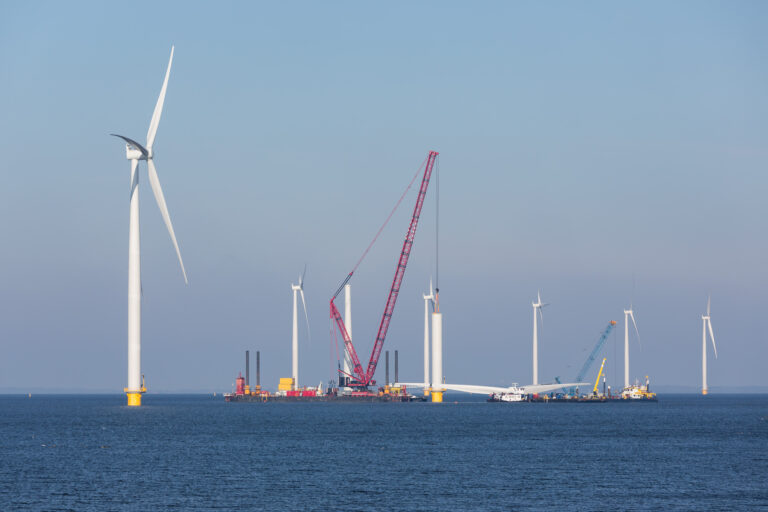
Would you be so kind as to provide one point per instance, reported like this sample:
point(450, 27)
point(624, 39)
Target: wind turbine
point(427, 300)
point(136, 152)
point(298, 288)
point(628, 313)
point(706, 323)
point(348, 326)
point(536, 307)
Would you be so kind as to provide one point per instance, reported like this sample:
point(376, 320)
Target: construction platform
point(384, 394)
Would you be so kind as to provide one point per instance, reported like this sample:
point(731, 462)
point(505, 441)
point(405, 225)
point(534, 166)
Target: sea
point(197, 452)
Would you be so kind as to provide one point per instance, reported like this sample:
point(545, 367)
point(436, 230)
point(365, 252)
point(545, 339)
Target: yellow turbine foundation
point(703, 391)
point(134, 396)
point(437, 396)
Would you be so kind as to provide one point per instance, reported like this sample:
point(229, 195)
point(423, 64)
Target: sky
point(604, 153)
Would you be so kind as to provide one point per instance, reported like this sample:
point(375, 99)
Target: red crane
point(365, 378)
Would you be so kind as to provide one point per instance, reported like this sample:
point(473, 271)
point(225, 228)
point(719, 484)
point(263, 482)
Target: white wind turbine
point(348, 326)
point(628, 313)
point(135, 152)
point(537, 306)
point(295, 340)
point(428, 299)
point(706, 324)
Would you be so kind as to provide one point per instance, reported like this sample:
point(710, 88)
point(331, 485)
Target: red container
point(240, 386)
point(309, 392)
point(293, 393)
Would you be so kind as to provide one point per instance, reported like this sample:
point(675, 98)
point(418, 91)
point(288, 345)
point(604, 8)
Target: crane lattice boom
point(598, 346)
point(366, 378)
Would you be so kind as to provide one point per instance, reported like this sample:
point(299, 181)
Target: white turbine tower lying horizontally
point(135, 152)
point(295, 340)
point(706, 325)
point(628, 313)
point(536, 307)
point(428, 299)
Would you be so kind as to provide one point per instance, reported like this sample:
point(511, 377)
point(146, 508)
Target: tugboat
point(638, 392)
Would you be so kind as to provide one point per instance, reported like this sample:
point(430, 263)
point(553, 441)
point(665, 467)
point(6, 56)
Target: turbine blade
point(158, 191)
point(709, 300)
point(539, 297)
point(301, 278)
point(158, 107)
point(306, 316)
point(712, 335)
point(632, 314)
point(133, 143)
point(541, 318)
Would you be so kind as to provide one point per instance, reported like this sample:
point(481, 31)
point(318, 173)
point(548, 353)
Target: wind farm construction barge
point(288, 392)
point(384, 394)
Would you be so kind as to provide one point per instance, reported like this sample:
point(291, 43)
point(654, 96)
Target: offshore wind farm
point(508, 229)
point(352, 381)
point(546, 220)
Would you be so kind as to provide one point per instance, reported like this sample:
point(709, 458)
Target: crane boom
point(357, 368)
point(593, 354)
point(402, 262)
point(597, 380)
point(366, 378)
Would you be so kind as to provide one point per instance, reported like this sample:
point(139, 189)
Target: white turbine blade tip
point(154, 181)
point(712, 335)
point(158, 112)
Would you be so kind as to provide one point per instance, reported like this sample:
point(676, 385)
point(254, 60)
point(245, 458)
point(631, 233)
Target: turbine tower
point(536, 307)
point(706, 324)
point(295, 340)
point(628, 313)
point(348, 326)
point(136, 152)
point(427, 300)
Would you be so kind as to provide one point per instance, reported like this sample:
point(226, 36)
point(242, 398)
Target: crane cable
point(365, 253)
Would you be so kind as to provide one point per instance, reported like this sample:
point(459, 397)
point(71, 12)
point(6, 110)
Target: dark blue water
point(85, 453)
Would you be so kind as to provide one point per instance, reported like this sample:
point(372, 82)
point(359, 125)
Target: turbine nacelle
point(132, 153)
point(134, 150)
point(539, 304)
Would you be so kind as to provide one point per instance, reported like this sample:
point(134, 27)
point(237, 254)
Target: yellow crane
point(597, 381)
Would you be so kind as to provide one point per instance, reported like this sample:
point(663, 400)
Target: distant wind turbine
point(706, 325)
point(295, 340)
point(537, 306)
point(136, 152)
point(628, 313)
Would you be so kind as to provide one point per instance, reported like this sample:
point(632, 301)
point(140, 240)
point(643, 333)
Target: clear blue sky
point(581, 145)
